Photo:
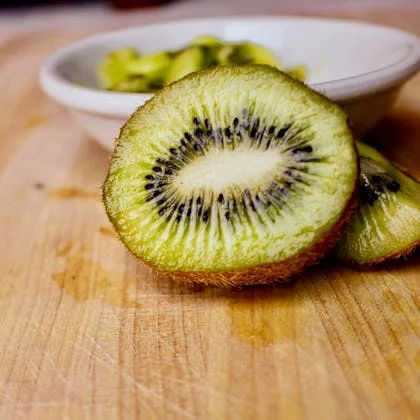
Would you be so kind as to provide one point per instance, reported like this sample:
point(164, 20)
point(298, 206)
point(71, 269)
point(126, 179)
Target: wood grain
point(87, 332)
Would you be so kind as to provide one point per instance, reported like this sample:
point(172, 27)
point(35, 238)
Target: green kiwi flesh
point(387, 223)
point(188, 61)
point(112, 70)
point(229, 169)
point(250, 53)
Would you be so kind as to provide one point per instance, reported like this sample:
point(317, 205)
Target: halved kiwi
point(387, 223)
point(233, 175)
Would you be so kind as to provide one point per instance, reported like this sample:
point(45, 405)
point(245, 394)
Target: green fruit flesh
point(206, 41)
point(387, 223)
point(117, 71)
point(230, 168)
point(248, 53)
point(188, 61)
point(112, 70)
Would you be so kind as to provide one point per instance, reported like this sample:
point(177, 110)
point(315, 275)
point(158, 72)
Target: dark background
point(10, 4)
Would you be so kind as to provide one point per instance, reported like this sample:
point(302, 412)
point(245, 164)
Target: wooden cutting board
point(86, 331)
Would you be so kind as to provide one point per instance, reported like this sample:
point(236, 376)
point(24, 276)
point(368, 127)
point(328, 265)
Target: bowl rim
point(342, 90)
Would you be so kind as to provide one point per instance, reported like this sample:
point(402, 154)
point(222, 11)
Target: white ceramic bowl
point(360, 66)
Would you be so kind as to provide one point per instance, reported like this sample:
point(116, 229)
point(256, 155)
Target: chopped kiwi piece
point(298, 73)
point(188, 61)
point(387, 223)
point(206, 41)
point(152, 67)
point(133, 85)
point(249, 53)
point(148, 64)
point(231, 176)
point(113, 70)
point(222, 53)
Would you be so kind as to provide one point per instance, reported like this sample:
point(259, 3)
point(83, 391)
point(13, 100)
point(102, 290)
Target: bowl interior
point(330, 50)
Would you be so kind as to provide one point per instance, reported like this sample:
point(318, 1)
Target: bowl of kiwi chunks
point(242, 175)
point(103, 79)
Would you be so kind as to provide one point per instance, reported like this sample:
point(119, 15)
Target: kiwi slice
point(233, 175)
point(188, 61)
point(387, 223)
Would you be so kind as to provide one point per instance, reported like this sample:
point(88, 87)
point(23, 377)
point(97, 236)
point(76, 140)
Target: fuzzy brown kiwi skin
point(405, 253)
point(267, 273)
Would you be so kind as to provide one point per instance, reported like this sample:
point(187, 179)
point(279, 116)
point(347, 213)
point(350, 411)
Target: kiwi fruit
point(233, 175)
point(250, 53)
point(112, 70)
point(387, 223)
point(186, 62)
point(149, 64)
point(126, 70)
point(206, 41)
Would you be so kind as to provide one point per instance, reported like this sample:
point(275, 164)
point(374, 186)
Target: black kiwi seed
point(157, 168)
point(178, 218)
point(162, 211)
point(235, 121)
point(283, 131)
point(196, 147)
point(198, 132)
point(253, 132)
point(220, 198)
point(161, 201)
point(187, 136)
point(168, 172)
point(271, 129)
point(198, 201)
point(196, 121)
point(207, 123)
point(161, 161)
point(150, 177)
point(181, 208)
point(205, 216)
point(149, 186)
point(173, 151)
point(305, 149)
point(227, 215)
point(393, 186)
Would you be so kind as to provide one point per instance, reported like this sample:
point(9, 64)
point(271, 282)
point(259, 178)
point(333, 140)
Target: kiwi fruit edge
point(399, 182)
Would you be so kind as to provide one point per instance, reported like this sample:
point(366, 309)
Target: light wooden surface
point(87, 332)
